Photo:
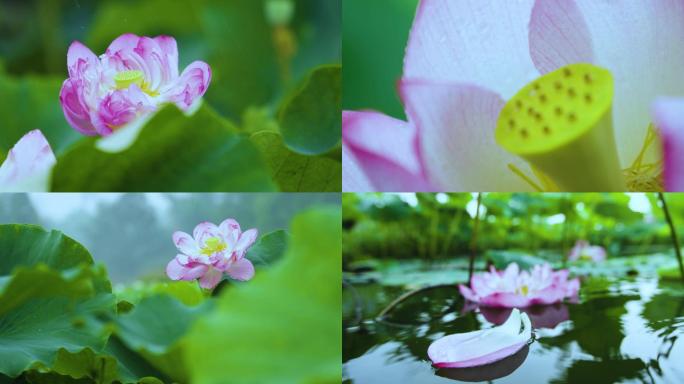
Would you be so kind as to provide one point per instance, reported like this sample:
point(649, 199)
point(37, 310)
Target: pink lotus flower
point(130, 80)
point(466, 58)
point(669, 118)
point(28, 165)
point(482, 347)
point(584, 251)
point(514, 288)
point(212, 251)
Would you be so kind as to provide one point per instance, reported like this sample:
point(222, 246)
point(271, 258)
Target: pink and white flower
point(212, 251)
point(466, 58)
point(668, 116)
point(515, 288)
point(28, 165)
point(585, 251)
point(486, 346)
point(130, 80)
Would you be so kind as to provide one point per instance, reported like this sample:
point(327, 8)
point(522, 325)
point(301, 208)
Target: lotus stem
point(673, 234)
point(473, 239)
point(406, 295)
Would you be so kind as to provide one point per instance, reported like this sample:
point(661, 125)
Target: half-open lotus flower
point(28, 165)
point(585, 251)
point(515, 288)
point(482, 347)
point(530, 94)
point(129, 81)
point(212, 251)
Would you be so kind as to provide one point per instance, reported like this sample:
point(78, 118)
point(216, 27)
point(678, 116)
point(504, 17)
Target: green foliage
point(270, 248)
point(33, 103)
point(298, 339)
point(171, 153)
point(51, 299)
point(374, 37)
point(154, 329)
point(59, 322)
point(310, 119)
point(440, 226)
point(295, 172)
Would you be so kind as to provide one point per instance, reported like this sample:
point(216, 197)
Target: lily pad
point(295, 172)
point(173, 153)
point(310, 118)
point(298, 339)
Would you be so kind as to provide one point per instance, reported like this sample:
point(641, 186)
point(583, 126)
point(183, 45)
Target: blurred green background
point(374, 36)
point(233, 36)
point(434, 227)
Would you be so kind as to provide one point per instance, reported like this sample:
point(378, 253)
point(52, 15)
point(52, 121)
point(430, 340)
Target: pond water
point(620, 330)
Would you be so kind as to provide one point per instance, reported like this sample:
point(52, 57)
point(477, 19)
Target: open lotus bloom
point(28, 165)
point(130, 80)
point(584, 251)
point(515, 288)
point(212, 251)
point(530, 95)
point(482, 347)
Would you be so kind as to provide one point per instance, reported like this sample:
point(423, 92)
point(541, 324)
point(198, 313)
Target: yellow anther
point(213, 245)
point(124, 79)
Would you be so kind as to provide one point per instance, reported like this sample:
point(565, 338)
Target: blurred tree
point(16, 208)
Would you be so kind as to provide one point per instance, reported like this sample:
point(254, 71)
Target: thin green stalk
point(473, 239)
point(673, 234)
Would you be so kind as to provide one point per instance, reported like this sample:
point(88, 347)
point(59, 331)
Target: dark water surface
point(626, 331)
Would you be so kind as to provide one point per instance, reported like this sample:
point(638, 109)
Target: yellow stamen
point(213, 245)
point(124, 79)
point(645, 177)
point(524, 290)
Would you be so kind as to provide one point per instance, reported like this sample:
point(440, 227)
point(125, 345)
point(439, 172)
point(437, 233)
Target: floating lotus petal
point(493, 371)
point(482, 347)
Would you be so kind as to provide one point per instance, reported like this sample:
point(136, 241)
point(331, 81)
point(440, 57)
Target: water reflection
point(542, 316)
point(630, 332)
point(488, 372)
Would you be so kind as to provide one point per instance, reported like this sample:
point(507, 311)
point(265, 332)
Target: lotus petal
point(482, 347)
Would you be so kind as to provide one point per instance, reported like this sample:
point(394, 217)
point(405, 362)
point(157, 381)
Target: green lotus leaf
point(51, 298)
point(30, 245)
point(284, 325)
point(43, 310)
point(187, 292)
point(173, 153)
point(270, 248)
point(155, 328)
point(310, 118)
point(295, 172)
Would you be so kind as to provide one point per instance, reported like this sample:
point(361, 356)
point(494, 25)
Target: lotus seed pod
point(562, 125)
